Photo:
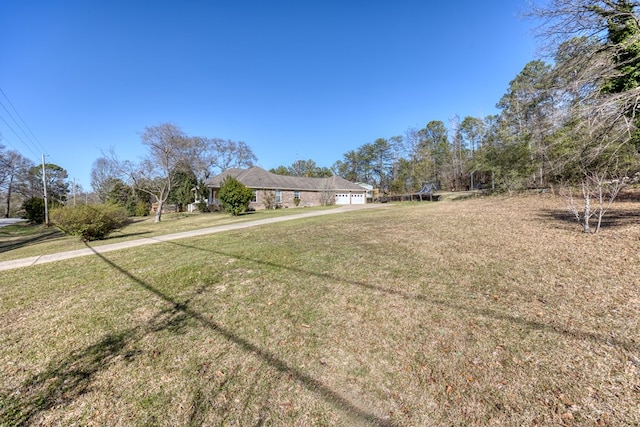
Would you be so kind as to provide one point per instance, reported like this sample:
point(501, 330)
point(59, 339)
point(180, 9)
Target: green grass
point(484, 311)
point(23, 240)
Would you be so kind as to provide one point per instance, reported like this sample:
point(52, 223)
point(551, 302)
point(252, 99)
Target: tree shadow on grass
point(614, 218)
point(630, 195)
point(62, 382)
point(551, 327)
point(65, 380)
point(268, 357)
point(46, 235)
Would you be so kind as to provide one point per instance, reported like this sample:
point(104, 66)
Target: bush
point(34, 210)
point(269, 199)
point(234, 196)
point(203, 207)
point(142, 209)
point(90, 222)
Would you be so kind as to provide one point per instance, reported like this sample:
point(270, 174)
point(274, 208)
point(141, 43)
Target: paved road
point(27, 262)
point(8, 221)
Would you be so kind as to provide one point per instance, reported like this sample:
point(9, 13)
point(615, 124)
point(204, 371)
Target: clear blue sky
point(292, 79)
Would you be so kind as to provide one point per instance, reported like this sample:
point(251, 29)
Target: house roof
point(258, 178)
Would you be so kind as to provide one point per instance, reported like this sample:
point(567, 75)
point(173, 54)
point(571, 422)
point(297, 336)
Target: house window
point(296, 195)
point(255, 196)
point(278, 196)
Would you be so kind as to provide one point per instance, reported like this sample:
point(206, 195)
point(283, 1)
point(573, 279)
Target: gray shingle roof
point(258, 178)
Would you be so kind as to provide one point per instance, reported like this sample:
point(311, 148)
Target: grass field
point(24, 240)
point(487, 311)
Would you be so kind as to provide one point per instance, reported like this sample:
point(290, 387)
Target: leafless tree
point(562, 20)
point(327, 195)
point(215, 155)
point(14, 168)
point(169, 150)
point(594, 146)
point(104, 173)
point(597, 194)
point(594, 122)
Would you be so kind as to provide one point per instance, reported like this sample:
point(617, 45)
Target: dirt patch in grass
point(487, 311)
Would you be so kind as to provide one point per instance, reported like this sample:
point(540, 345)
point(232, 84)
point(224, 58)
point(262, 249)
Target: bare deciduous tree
point(598, 193)
point(593, 152)
point(105, 172)
point(215, 155)
point(596, 97)
point(562, 20)
point(13, 171)
point(169, 149)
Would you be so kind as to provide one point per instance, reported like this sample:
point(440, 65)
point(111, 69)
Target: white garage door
point(350, 199)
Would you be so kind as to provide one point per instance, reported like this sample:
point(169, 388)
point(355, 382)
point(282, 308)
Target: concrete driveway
point(35, 260)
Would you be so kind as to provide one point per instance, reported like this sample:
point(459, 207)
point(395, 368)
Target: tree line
point(172, 171)
point(569, 120)
point(22, 184)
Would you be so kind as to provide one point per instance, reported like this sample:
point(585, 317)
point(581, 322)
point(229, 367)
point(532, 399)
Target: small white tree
point(598, 193)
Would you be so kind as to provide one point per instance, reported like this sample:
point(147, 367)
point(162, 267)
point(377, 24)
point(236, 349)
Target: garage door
point(342, 199)
point(350, 199)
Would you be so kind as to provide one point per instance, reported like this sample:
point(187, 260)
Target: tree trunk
point(587, 208)
point(159, 210)
point(9, 189)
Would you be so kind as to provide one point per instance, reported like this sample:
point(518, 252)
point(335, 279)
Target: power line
point(4, 139)
point(19, 137)
point(41, 148)
point(37, 145)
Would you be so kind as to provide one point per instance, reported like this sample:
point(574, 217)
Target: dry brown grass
point(491, 311)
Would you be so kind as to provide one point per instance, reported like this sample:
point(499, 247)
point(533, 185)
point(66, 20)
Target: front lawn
point(488, 311)
point(24, 240)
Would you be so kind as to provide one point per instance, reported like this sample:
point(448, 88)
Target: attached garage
point(350, 199)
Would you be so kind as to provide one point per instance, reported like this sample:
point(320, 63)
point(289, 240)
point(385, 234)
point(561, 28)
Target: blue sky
point(292, 79)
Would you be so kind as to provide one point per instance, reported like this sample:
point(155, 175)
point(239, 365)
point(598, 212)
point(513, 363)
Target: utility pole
point(46, 202)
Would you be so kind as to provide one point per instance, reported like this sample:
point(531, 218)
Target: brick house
point(283, 190)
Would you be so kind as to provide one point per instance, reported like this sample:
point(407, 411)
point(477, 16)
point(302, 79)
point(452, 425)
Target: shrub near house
point(234, 196)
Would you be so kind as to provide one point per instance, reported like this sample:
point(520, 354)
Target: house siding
point(307, 199)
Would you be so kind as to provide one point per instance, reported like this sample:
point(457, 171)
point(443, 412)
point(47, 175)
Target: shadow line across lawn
point(44, 236)
point(630, 346)
point(64, 381)
point(611, 219)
